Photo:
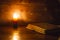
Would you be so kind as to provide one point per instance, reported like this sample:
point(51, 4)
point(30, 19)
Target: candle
point(16, 17)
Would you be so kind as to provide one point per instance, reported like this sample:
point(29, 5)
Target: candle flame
point(16, 15)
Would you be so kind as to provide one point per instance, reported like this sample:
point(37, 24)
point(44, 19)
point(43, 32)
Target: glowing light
point(15, 36)
point(16, 15)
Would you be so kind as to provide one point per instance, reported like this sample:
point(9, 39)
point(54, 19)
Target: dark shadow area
point(53, 7)
point(53, 32)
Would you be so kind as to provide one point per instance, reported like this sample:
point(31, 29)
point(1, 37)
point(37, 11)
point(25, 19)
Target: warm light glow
point(16, 15)
point(15, 36)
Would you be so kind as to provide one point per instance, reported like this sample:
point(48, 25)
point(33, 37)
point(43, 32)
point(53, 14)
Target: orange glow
point(16, 15)
point(15, 36)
